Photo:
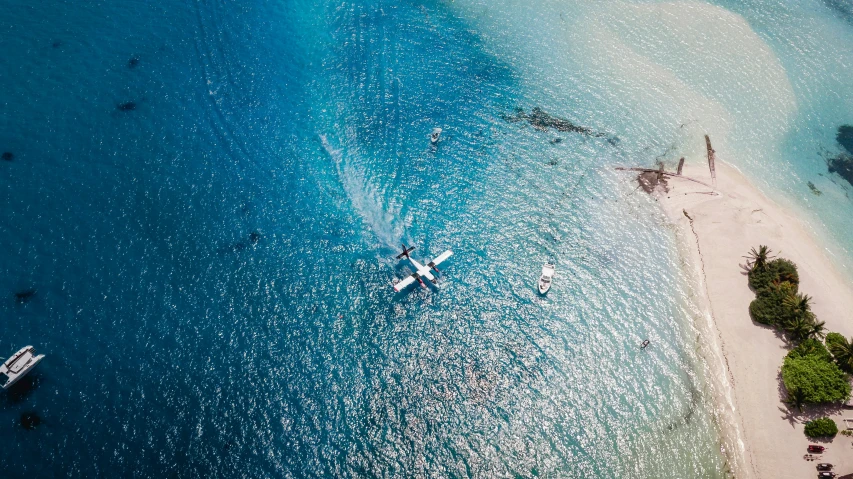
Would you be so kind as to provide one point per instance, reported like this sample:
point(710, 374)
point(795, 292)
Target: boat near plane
point(19, 365)
point(421, 271)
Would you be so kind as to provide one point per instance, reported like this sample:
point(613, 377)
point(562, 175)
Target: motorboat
point(815, 448)
point(434, 136)
point(546, 278)
point(19, 365)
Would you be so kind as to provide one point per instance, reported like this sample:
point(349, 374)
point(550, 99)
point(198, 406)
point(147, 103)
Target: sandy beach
point(719, 232)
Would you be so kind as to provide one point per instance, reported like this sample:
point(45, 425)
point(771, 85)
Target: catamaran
point(19, 365)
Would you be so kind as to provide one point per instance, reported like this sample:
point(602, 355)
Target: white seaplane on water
point(421, 271)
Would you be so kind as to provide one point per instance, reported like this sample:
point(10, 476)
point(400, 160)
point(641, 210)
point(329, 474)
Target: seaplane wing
point(406, 282)
point(421, 271)
point(440, 259)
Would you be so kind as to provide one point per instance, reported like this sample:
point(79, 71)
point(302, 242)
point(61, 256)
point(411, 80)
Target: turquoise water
point(205, 201)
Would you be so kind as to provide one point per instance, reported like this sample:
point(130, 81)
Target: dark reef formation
point(843, 163)
point(30, 420)
point(133, 63)
point(844, 137)
point(129, 106)
point(24, 296)
point(543, 121)
point(8, 156)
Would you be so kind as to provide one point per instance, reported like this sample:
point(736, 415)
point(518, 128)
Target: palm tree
point(796, 398)
point(757, 259)
point(817, 330)
point(843, 354)
point(798, 304)
point(798, 327)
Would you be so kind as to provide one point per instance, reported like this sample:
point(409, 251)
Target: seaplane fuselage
point(421, 271)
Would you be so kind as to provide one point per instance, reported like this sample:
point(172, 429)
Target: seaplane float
point(421, 271)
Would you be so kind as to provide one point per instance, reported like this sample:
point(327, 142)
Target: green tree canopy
point(810, 347)
point(842, 351)
point(821, 427)
point(819, 381)
point(769, 305)
point(777, 271)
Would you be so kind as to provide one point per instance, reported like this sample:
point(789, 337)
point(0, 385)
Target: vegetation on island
point(813, 373)
point(821, 427)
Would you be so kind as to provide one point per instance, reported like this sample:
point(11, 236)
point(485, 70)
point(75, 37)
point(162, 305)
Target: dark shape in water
point(8, 156)
point(19, 391)
point(843, 165)
point(556, 141)
point(844, 137)
point(133, 62)
point(56, 44)
point(543, 121)
point(254, 236)
point(814, 189)
point(24, 296)
point(30, 420)
point(129, 106)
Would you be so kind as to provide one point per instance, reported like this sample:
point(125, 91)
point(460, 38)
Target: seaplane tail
point(421, 271)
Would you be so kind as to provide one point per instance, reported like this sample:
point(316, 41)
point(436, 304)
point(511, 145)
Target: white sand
point(726, 227)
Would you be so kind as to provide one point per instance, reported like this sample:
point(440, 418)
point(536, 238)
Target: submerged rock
point(844, 137)
point(543, 121)
point(8, 156)
point(133, 62)
point(254, 237)
point(814, 189)
point(129, 106)
point(30, 420)
point(843, 163)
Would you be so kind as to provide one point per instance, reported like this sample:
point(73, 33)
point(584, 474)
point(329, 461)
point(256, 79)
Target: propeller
point(405, 252)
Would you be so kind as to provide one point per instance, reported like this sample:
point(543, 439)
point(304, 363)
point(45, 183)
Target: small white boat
point(546, 278)
point(19, 365)
point(434, 136)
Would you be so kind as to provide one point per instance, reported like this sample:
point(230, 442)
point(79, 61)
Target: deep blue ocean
point(204, 199)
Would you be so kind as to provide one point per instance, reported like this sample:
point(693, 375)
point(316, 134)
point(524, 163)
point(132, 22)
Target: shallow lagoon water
point(212, 268)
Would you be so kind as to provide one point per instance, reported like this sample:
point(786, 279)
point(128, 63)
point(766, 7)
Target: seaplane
point(421, 271)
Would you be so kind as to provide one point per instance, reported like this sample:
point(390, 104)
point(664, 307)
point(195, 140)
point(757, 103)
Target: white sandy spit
point(723, 228)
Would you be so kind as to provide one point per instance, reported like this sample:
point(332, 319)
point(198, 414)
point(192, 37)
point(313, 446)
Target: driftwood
point(711, 159)
point(680, 165)
point(662, 173)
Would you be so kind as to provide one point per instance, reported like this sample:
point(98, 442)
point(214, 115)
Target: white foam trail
point(366, 198)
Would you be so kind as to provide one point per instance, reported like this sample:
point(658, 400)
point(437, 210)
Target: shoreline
point(762, 438)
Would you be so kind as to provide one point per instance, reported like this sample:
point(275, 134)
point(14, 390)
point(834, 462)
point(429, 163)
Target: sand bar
point(724, 227)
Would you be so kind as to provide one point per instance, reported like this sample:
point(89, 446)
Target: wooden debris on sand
point(660, 174)
point(711, 160)
point(680, 166)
